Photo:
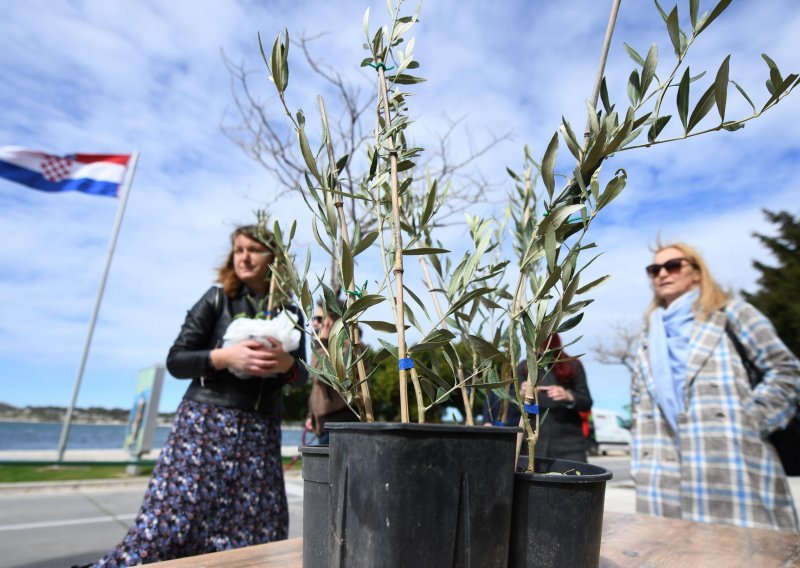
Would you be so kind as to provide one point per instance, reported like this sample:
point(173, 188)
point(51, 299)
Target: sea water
point(45, 436)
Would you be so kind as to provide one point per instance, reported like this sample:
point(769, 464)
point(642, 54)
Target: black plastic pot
point(420, 494)
point(557, 520)
point(316, 506)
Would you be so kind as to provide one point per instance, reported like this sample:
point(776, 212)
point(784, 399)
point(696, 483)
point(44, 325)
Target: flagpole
point(125, 187)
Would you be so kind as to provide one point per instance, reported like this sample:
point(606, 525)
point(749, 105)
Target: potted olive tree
point(551, 244)
point(437, 494)
point(389, 481)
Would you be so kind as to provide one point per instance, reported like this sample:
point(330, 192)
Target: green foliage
point(27, 473)
point(647, 102)
point(295, 403)
point(386, 398)
point(777, 295)
point(480, 327)
point(550, 245)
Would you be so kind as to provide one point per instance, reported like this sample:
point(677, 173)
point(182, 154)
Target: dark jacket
point(561, 434)
point(202, 331)
point(325, 404)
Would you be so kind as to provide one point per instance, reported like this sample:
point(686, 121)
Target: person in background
point(564, 394)
point(700, 451)
point(324, 403)
point(587, 429)
point(218, 483)
point(500, 411)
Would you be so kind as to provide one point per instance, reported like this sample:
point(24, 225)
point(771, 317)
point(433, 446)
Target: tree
point(549, 230)
point(777, 297)
point(261, 134)
point(622, 350)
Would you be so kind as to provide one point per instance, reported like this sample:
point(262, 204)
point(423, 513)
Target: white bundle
point(281, 328)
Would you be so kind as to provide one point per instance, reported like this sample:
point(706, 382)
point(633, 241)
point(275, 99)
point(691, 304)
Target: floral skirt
point(218, 485)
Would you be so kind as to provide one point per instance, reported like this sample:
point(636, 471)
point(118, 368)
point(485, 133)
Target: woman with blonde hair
point(700, 448)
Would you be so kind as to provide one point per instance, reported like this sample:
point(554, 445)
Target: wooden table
point(629, 540)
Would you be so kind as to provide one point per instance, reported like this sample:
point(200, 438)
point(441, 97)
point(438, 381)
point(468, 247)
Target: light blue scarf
point(668, 349)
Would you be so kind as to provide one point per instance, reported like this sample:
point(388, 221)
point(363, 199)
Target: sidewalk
point(101, 456)
point(621, 497)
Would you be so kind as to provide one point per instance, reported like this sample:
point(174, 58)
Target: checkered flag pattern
point(56, 168)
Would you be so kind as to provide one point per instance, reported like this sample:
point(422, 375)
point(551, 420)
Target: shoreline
point(73, 422)
point(293, 424)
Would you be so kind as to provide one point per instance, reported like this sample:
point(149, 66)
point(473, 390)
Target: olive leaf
point(549, 163)
point(649, 68)
point(721, 87)
point(674, 31)
point(683, 99)
point(718, 9)
point(704, 105)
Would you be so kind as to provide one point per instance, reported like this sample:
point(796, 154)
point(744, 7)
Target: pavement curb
point(27, 488)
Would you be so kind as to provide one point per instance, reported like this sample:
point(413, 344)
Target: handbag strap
point(754, 374)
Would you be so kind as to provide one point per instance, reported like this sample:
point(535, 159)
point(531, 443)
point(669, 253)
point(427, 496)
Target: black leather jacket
point(202, 331)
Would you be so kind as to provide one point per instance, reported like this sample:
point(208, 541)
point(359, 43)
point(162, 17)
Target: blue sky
point(96, 76)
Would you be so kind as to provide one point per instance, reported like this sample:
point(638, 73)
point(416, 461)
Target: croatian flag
point(100, 174)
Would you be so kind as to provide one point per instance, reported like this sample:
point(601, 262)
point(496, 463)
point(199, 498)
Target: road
point(64, 526)
point(620, 465)
point(59, 528)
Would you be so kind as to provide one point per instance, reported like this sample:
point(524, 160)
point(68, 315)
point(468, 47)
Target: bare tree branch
point(622, 349)
point(258, 131)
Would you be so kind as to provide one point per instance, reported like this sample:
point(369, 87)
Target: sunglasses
point(671, 266)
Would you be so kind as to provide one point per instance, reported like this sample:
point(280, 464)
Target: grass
point(32, 472)
point(26, 473)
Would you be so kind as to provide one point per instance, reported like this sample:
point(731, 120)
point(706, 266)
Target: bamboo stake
point(398, 258)
point(531, 394)
point(345, 236)
point(598, 80)
point(461, 381)
point(272, 284)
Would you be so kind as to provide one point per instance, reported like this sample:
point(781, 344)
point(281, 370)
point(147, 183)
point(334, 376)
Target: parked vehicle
point(611, 432)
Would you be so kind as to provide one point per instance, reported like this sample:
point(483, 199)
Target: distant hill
point(91, 415)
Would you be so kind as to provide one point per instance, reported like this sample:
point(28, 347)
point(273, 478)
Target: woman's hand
point(557, 393)
point(278, 360)
point(253, 358)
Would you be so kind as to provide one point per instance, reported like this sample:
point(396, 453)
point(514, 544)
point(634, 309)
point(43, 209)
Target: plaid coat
point(718, 467)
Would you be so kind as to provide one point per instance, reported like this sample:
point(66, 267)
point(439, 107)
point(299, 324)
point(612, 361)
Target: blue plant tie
point(377, 66)
point(531, 408)
point(267, 313)
point(405, 364)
